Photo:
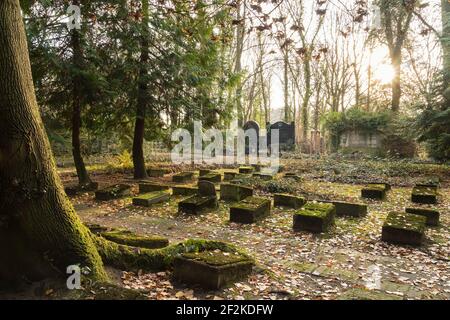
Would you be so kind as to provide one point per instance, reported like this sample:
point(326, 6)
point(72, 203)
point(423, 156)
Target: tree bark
point(40, 234)
point(140, 171)
point(77, 104)
point(445, 11)
point(77, 101)
point(396, 59)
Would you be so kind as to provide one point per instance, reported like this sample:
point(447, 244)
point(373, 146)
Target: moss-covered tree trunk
point(40, 234)
point(142, 100)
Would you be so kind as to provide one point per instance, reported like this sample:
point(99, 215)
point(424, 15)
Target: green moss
point(379, 187)
point(316, 206)
point(131, 258)
point(406, 221)
point(216, 258)
point(250, 203)
point(424, 191)
point(129, 238)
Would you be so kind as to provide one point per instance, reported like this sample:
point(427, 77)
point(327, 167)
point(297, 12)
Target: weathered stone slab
point(404, 228)
point(211, 177)
point(314, 217)
point(196, 204)
point(229, 175)
point(263, 176)
point(234, 192)
point(129, 238)
point(424, 195)
point(365, 294)
point(431, 215)
point(184, 190)
point(288, 200)
point(156, 172)
point(76, 189)
point(146, 187)
point(245, 170)
point(374, 191)
point(203, 172)
point(113, 192)
point(250, 210)
point(183, 177)
point(292, 175)
point(147, 199)
point(348, 208)
point(210, 269)
point(206, 188)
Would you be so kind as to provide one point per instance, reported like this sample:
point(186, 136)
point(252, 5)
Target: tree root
point(133, 258)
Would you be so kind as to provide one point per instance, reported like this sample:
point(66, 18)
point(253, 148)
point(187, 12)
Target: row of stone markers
point(407, 227)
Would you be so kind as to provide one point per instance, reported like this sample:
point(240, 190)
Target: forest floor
point(349, 262)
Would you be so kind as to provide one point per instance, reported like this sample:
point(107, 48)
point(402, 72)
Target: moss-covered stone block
point(146, 187)
point(263, 176)
point(211, 270)
point(113, 192)
point(129, 238)
point(184, 190)
point(212, 176)
point(183, 177)
point(404, 228)
point(234, 192)
point(288, 200)
point(431, 215)
point(424, 195)
point(196, 204)
point(147, 199)
point(292, 175)
point(314, 217)
point(229, 175)
point(374, 191)
point(246, 169)
point(348, 208)
point(76, 189)
point(156, 172)
point(250, 210)
point(203, 172)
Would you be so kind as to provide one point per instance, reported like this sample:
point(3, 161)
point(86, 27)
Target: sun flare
point(384, 73)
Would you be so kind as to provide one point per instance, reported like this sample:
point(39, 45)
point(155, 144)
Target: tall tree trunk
point(142, 100)
point(40, 234)
point(240, 34)
point(77, 102)
point(307, 96)
point(396, 59)
point(446, 44)
point(287, 110)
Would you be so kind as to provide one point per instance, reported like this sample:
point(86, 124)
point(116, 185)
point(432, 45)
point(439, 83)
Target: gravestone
point(431, 215)
point(314, 217)
point(212, 176)
point(113, 192)
point(348, 208)
point(183, 177)
point(145, 187)
point(251, 125)
point(234, 192)
point(76, 189)
point(286, 133)
point(147, 199)
point(250, 210)
point(374, 191)
point(424, 194)
point(206, 198)
point(184, 190)
point(211, 269)
point(404, 228)
point(229, 175)
point(288, 200)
